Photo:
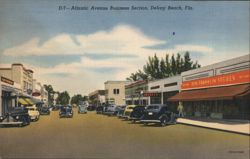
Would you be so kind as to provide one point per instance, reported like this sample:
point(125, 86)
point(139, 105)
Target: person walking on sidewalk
point(180, 110)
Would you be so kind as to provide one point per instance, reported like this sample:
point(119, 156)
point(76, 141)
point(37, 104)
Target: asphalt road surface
point(92, 136)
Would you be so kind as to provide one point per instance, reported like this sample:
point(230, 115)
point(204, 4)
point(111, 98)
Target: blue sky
point(79, 50)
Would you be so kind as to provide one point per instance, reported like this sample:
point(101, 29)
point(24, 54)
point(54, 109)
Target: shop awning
point(22, 101)
point(28, 100)
point(36, 101)
point(220, 93)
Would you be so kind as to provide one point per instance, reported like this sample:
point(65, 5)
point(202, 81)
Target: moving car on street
point(33, 113)
point(137, 113)
point(44, 111)
point(82, 109)
point(127, 111)
point(158, 113)
point(66, 112)
point(17, 116)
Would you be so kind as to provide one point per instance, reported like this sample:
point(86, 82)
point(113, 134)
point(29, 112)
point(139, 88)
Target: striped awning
point(22, 101)
point(28, 100)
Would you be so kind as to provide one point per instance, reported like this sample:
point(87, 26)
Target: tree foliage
point(63, 98)
point(156, 68)
point(77, 99)
point(51, 93)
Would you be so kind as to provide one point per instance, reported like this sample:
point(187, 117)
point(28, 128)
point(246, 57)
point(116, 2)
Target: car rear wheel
point(164, 121)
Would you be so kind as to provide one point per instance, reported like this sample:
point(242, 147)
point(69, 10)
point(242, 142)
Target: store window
point(155, 100)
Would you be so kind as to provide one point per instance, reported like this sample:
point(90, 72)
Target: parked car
point(82, 109)
point(56, 107)
point(44, 111)
point(111, 110)
point(127, 111)
point(33, 113)
point(17, 116)
point(66, 111)
point(137, 113)
point(91, 107)
point(99, 109)
point(120, 110)
point(157, 113)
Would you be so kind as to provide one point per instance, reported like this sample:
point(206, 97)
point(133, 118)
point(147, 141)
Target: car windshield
point(31, 108)
point(150, 107)
point(66, 109)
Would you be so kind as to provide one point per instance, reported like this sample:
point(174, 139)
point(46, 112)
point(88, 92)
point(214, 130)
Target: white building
point(160, 90)
point(115, 92)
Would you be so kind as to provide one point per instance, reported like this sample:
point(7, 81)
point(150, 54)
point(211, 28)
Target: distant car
point(33, 113)
point(91, 108)
point(44, 111)
point(17, 116)
point(82, 109)
point(137, 113)
point(127, 111)
point(120, 110)
point(56, 107)
point(66, 111)
point(157, 113)
point(99, 109)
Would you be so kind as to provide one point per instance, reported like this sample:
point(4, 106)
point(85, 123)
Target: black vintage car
point(137, 113)
point(91, 108)
point(99, 109)
point(17, 116)
point(44, 111)
point(66, 112)
point(157, 113)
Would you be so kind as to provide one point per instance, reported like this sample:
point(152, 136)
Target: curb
point(211, 128)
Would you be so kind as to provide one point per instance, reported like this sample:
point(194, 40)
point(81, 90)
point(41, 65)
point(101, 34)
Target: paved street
point(94, 136)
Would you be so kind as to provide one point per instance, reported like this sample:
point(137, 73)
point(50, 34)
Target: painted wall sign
point(148, 94)
point(220, 80)
point(36, 94)
point(6, 80)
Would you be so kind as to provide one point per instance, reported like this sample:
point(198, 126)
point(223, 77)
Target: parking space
point(98, 136)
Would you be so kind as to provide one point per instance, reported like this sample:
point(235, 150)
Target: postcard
point(124, 79)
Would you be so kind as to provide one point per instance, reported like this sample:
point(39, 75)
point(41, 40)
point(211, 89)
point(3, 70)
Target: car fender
point(163, 115)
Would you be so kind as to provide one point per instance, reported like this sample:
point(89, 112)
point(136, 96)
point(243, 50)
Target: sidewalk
point(235, 126)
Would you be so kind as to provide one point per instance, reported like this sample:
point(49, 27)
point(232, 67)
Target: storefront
point(218, 91)
point(9, 90)
point(160, 90)
point(134, 93)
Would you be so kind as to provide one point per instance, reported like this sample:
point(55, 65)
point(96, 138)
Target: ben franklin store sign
point(220, 80)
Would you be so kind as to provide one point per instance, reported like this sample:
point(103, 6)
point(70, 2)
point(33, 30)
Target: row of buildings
point(220, 90)
point(18, 87)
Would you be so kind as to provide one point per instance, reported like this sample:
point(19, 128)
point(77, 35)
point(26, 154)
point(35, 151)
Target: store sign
point(220, 80)
point(148, 94)
point(6, 80)
point(36, 94)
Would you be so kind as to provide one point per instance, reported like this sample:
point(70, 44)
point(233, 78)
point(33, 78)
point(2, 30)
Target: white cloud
point(120, 40)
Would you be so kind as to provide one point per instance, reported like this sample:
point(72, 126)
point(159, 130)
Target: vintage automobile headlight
point(17, 117)
point(1, 117)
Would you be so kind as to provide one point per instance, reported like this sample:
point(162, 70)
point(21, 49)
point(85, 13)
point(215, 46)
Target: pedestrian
point(180, 110)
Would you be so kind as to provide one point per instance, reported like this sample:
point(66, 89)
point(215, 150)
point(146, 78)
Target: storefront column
point(1, 101)
point(162, 98)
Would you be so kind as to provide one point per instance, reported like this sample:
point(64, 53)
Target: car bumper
point(150, 121)
point(66, 116)
point(34, 117)
point(133, 118)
